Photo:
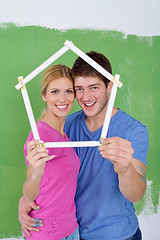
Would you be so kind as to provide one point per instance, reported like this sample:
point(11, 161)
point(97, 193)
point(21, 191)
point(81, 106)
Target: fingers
point(36, 151)
point(116, 149)
point(27, 227)
point(31, 224)
point(31, 145)
point(116, 155)
point(38, 154)
point(34, 206)
point(51, 157)
point(24, 218)
point(120, 142)
point(39, 160)
point(26, 231)
point(28, 223)
point(117, 145)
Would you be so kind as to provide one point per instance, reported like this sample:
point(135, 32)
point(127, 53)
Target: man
point(112, 177)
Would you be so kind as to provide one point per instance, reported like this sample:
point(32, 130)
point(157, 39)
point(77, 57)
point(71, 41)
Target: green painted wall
point(22, 49)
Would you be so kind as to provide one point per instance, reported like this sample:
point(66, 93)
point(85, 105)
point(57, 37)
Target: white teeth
point(61, 107)
point(89, 104)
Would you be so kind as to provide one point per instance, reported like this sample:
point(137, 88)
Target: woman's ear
point(109, 87)
point(44, 98)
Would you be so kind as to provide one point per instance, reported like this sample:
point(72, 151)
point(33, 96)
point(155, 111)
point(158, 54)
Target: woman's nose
point(62, 97)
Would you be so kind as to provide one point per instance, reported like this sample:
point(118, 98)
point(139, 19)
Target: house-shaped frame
point(21, 85)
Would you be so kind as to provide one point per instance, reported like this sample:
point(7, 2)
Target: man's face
point(92, 95)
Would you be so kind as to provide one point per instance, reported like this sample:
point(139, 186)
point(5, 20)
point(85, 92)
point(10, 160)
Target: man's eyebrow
point(92, 85)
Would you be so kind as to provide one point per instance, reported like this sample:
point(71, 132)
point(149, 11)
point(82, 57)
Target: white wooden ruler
point(44, 65)
point(35, 130)
point(90, 61)
point(110, 107)
point(29, 110)
point(115, 80)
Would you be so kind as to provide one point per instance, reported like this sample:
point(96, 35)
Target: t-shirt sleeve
point(138, 136)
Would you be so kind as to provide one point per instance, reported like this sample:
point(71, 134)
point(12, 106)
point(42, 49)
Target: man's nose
point(86, 95)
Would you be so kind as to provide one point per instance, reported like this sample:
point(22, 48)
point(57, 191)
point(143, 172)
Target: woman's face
point(59, 97)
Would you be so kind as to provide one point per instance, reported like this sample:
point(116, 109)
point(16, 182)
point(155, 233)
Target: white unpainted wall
point(138, 17)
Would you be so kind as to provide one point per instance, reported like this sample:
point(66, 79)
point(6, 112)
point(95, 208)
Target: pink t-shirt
point(57, 188)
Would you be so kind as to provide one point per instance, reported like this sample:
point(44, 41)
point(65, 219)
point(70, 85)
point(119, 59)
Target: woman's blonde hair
point(52, 73)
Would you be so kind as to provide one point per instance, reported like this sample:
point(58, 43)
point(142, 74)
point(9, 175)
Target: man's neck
point(94, 123)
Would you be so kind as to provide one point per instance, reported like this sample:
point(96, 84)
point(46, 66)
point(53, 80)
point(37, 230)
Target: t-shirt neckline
point(99, 130)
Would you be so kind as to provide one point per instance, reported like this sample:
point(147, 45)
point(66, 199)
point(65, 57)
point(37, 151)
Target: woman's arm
point(36, 158)
point(32, 185)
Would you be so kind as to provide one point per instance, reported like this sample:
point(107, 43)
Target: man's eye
point(94, 88)
point(78, 89)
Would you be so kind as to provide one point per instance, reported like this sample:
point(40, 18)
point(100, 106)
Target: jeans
point(73, 236)
point(136, 236)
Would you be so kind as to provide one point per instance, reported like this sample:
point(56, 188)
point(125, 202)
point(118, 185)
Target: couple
point(107, 180)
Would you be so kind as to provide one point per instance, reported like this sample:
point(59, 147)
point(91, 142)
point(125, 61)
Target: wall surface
point(128, 16)
point(135, 55)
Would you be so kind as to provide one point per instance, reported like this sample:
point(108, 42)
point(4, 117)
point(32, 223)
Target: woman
point(52, 174)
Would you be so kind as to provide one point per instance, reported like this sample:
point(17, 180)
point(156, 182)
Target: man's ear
point(44, 98)
point(109, 87)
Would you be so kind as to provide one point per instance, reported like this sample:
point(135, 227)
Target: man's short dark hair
point(82, 68)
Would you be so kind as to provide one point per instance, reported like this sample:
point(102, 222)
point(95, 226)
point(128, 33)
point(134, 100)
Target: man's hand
point(119, 151)
point(28, 223)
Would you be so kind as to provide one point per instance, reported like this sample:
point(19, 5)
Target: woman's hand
point(37, 157)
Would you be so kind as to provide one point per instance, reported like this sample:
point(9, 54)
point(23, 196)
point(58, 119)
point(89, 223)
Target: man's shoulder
point(128, 119)
point(130, 126)
point(137, 134)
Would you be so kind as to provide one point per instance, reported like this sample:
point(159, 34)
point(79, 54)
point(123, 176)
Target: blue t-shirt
point(103, 213)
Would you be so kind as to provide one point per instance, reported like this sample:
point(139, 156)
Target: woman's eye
point(54, 91)
point(69, 91)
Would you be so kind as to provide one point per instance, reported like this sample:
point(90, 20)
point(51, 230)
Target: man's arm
point(28, 223)
point(131, 172)
point(132, 183)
